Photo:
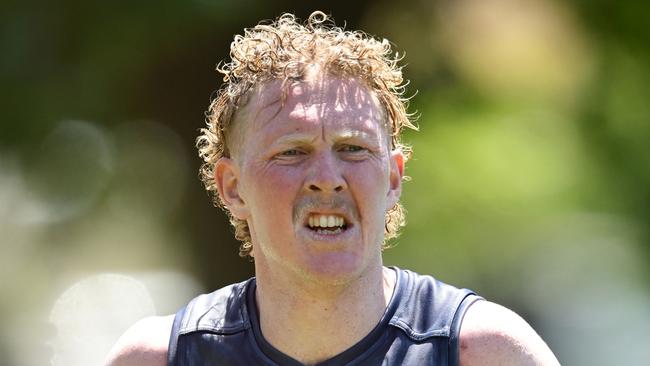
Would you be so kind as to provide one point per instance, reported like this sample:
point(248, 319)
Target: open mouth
point(327, 224)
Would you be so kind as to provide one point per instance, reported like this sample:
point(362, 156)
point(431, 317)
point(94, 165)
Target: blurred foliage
point(530, 178)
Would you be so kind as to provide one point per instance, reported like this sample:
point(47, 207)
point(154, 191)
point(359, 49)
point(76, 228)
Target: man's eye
point(352, 148)
point(292, 152)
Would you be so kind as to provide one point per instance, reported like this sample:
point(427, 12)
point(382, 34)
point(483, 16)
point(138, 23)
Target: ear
point(395, 178)
point(226, 176)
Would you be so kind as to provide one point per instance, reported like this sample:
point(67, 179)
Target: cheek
point(374, 177)
point(370, 187)
point(273, 189)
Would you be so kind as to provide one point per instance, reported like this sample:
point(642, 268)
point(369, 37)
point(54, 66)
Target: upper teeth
point(325, 221)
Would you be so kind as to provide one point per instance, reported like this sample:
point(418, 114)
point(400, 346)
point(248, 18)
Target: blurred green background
point(530, 177)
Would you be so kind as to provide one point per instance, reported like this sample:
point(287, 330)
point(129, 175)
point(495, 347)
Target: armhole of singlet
point(173, 338)
point(454, 331)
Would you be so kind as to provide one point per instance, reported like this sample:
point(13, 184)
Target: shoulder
point(144, 344)
point(494, 335)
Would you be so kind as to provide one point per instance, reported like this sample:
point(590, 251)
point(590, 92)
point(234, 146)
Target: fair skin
point(324, 156)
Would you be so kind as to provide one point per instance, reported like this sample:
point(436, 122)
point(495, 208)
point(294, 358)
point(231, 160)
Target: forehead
point(324, 101)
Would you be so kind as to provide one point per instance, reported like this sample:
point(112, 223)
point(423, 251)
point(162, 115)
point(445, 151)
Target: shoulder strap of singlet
point(454, 331)
point(173, 338)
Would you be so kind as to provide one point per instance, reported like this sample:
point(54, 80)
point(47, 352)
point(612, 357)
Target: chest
point(393, 348)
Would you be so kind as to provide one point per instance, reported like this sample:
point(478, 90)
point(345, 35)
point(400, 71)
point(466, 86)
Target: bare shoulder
point(145, 343)
point(494, 335)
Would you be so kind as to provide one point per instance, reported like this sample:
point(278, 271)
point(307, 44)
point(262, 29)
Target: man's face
point(315, 178)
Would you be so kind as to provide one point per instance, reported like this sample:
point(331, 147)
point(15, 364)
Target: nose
point(325, 174)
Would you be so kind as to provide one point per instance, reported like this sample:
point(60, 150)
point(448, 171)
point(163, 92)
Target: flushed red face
point(313, 177)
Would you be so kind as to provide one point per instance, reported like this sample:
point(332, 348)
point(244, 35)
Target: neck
point(312, 323)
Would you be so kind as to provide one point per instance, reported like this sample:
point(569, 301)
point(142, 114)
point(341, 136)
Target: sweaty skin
point(324, 152)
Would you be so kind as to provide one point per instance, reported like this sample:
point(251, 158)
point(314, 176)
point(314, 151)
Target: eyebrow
point(308, 138)
point(294, 138)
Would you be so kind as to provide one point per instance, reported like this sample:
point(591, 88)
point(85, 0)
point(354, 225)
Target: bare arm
point(494, 335)
point(144, 344)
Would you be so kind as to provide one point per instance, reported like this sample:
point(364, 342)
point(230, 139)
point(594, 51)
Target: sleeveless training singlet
point(420, 326)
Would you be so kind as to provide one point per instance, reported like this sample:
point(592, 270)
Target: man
point(303, 151)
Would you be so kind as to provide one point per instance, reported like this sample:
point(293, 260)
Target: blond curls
point(282, 50)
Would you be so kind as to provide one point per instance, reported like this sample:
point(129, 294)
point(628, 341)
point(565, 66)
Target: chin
point(336, 268)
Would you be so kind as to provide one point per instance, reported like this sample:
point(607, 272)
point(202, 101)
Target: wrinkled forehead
point(330, 97)
point(327, 91)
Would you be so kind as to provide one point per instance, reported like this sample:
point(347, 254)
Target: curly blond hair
point(283, 50)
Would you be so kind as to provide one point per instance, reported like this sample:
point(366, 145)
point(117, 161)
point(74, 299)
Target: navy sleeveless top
point(420, 326)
